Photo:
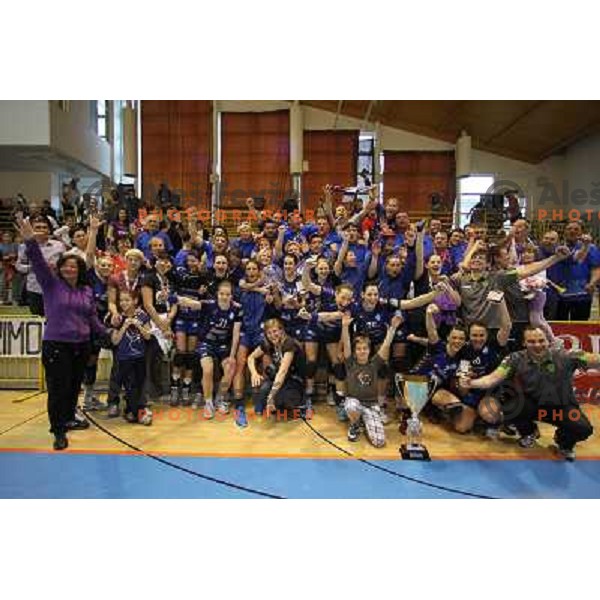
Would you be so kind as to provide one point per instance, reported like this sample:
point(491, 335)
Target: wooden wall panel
point(176, 148)
point(255, 158)
point(413, 176)
point(332, 159)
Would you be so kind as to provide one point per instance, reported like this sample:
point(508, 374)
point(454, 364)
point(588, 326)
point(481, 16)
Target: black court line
point(395, 473)
point(43, 412)
point(183, 469)
point(25, 398)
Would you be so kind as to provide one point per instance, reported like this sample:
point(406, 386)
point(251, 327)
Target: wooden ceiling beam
point(337, 114)
point(452, 113)
point(587, 129)
point(388, 115)
point(368, 113)
point(514, 121)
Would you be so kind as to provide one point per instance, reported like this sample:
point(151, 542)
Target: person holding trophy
point(361, 403)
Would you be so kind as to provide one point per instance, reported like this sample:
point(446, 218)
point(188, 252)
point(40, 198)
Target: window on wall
point(470, 190)
point(102, 118)
point(365, 167)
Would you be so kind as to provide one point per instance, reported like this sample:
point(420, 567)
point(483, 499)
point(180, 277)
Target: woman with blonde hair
point(281, 385)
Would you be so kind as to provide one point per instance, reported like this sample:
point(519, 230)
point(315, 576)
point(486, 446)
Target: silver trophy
point(416, 395)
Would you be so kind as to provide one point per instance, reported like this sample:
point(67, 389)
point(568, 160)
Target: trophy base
point(413, 452)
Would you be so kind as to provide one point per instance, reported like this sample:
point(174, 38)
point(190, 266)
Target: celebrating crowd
point(362, 297)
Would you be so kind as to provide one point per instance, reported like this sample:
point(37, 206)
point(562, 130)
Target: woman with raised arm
point(361, 403)
point(71, 319)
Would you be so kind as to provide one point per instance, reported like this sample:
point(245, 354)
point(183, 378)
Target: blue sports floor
point(51, 475)
point(184, 457)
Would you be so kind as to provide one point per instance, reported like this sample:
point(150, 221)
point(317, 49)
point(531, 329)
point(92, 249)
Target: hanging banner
point(21, 336)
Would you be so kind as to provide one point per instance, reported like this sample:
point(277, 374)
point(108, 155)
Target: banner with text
point(21, 336)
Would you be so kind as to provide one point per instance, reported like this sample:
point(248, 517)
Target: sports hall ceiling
point(528, 130)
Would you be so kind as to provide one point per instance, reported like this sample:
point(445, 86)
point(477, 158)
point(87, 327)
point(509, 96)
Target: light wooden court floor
point(183, 432)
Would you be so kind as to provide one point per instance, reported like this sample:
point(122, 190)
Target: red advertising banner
point(584, 336)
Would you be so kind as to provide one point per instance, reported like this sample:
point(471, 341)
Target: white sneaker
point(331, 399)
point(492, 433)
point(385, 418)
point(209, 409)
point(222, 406)
point(198, 400)
point(145, 417)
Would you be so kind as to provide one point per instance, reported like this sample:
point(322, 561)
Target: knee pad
point(311, 369)
point(339, 371)
point(179, 359)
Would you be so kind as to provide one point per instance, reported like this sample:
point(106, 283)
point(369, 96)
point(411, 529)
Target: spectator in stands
point(51, 251)
point(119, 227)
point(547, 248)
point(8, 259)
point(580, 274)
point(151, 231)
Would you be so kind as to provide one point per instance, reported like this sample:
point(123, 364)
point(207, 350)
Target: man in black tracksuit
point(541, 384)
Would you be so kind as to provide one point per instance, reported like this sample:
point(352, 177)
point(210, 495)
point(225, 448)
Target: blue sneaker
point(342, 415)
point(241, 420)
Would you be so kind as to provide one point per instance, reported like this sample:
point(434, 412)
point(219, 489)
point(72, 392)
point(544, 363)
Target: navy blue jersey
point(290, 290)
point(439, 364)
point(394, 288)
point(133, 344)
point(246, 247)
point(360, 251)
point(355, 276)
point(253, 310)
point(294, 236)
point(372, 323)
point(482, 362)
point(325, 301)
point(236, 275)
point(391, 288)
point(212, 284)
point(100, 291)
point(333, 237)
point(217, 324)
point(335, 327)
point(188, 284)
